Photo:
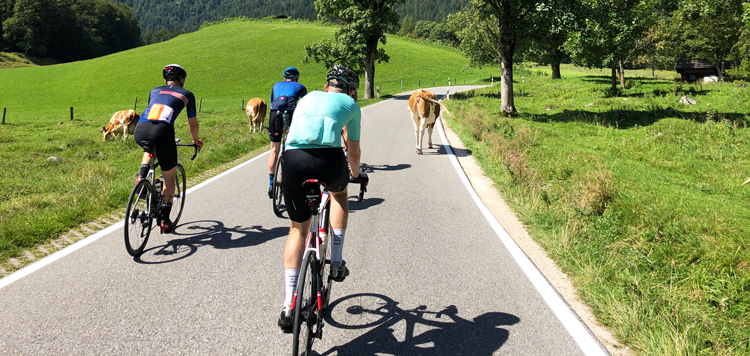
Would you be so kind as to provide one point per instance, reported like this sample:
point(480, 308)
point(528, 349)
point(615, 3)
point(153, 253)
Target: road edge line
point(581, 334)
point(47, 260)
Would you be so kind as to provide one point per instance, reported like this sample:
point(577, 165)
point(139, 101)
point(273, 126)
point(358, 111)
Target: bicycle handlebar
point(362, 189)
point(194, 146)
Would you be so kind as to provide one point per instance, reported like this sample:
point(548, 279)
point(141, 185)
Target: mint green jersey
point(319, 119)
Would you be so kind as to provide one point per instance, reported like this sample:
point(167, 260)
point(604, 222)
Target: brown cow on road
point(425, 110)
point(256, 113)
point(123, 121)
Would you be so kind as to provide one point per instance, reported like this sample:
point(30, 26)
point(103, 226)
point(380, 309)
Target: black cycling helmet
point(291, 73)
point(343, 73)
point(174, 71)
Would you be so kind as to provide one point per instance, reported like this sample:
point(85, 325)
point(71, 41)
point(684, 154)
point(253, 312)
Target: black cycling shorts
point(273, 134)
point(160, 134)
point(327, 165)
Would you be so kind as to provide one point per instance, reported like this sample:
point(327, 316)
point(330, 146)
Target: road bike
point(276, 192)
point(310, 300)
point(144, 204)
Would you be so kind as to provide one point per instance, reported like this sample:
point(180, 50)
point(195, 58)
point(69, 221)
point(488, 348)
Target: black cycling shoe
point(270, 192)
point(286, 321)
point(166, 226)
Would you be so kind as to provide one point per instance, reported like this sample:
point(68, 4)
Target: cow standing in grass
point(124, 121)
point(256, 113)
point(425, 110)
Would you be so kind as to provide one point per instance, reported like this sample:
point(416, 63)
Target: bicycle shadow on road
point(189, 236)
point(447, 333)
point(386, 167)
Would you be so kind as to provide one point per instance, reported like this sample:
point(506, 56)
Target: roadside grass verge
point(642, 207)
point(227, 63)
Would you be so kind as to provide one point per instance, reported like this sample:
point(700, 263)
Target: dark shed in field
point(693, 71)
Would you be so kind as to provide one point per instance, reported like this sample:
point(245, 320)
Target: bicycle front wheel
point(138, 218)
point(277, 194)
point(305, 308)
point(178, 201)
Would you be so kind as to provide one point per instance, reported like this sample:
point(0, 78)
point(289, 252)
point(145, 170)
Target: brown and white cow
point(425, 110)
point(122, 121)
point(256, 113)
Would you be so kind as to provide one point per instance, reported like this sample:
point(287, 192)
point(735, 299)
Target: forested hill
point(188, 15)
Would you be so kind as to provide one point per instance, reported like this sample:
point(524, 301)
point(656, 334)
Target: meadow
point(228, 63)
point(637, 197)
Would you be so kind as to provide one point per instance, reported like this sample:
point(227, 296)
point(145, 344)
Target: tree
point(490, 31)
point(365, 23)
point(612, 34)
point(407, 25)
point(710, 29)
point(554, 19)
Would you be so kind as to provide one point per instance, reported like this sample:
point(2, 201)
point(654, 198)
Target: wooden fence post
point(419, 83)
point(200, 104)
point(243, 104)
point(433, 81)
point(402, 84)
point(135, 106)
point(71, 113)
point(378, 90)
point(4, 116)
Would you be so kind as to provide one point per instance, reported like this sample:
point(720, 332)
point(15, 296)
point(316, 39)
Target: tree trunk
point(622, 76)
point(614, 80)
point(558, 56)
point(720, 67)
point(653, 71)
point(555, 70)
point(506, 82)
point(372, 51)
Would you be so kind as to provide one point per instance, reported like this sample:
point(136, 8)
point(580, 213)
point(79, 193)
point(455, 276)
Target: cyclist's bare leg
point(295, 244)
point(275, 149)
point(168, 189)
point(146, 158)
point(339, 209)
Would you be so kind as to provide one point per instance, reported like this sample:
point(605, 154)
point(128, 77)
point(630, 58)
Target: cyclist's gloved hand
point(362, 178)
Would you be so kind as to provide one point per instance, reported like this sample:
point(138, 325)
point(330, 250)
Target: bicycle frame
point(316, 238)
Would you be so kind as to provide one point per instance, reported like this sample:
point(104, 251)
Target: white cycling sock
point(290, 277)
point(338, 245)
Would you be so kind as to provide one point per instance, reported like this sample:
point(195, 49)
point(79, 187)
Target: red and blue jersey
point(166, 102)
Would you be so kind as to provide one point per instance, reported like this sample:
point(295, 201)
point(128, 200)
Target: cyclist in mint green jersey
point(313, 151)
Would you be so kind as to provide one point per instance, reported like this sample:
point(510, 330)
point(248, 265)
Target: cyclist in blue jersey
point(284, 96)
point(157, 126)
point(313, 151)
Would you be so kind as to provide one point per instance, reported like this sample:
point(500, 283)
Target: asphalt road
point(429, 275)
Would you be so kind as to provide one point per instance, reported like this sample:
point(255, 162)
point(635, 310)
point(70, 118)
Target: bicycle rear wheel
point(138, 218)
point(277, 176)
point(325, 250)
point(305, 308)
point(178, 202)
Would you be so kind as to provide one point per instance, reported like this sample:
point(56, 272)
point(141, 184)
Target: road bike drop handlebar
point(194, 146)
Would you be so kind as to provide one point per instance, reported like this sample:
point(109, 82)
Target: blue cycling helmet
point(291, 73)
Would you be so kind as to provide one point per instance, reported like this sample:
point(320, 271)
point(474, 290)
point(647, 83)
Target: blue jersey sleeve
point(191, 104)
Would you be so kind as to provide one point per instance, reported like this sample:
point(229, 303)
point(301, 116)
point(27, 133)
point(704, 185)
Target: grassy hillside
point(226, 63)
point(642, 206)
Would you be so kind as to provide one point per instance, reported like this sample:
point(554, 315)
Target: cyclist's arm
point(194, 131)
point(354, 155)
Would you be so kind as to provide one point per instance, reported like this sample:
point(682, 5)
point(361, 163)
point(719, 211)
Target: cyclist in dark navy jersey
point(284, 96)
point(157, 126)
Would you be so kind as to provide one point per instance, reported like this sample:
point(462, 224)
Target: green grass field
point(227, 63)
point(643, 208)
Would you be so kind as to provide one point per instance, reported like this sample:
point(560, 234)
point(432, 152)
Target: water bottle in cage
point(286, 119)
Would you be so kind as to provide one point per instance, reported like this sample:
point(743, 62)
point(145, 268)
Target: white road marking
point(23, 272)
point(588, 343)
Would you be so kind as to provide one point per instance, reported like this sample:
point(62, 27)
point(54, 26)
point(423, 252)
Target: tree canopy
point(364, 25)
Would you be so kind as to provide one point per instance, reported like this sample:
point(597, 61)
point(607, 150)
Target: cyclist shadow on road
point(189, 236)
point(446, 333)
point(441, 150)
